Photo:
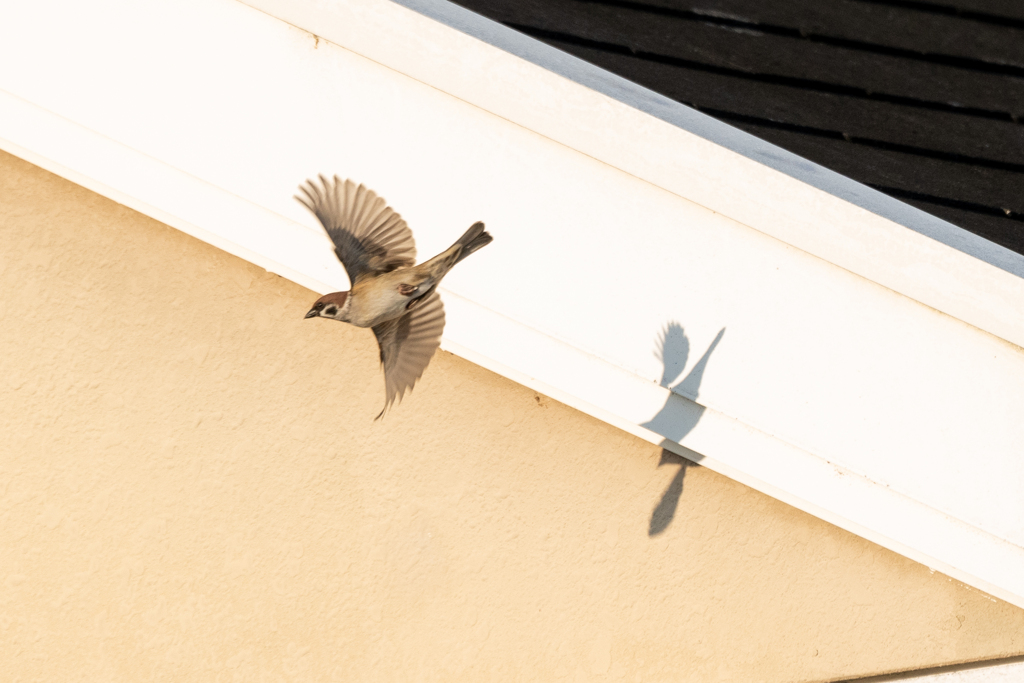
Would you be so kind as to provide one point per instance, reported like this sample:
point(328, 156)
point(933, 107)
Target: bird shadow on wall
point(674, 421)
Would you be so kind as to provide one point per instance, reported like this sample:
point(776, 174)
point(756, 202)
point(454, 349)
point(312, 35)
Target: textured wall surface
point(192, 487)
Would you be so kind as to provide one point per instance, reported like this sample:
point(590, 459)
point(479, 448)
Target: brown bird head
point(329, 306)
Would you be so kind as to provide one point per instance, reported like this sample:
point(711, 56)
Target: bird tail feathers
point(474, 239)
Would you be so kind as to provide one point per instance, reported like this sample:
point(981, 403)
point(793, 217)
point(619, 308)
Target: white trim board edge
point(1009, 670)
point(681, 150)
point(206, 142)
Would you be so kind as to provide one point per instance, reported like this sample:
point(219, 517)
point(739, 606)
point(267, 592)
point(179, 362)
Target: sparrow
point(389, 293)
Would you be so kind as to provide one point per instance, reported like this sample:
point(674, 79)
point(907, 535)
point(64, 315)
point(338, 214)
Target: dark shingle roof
point(921, 100)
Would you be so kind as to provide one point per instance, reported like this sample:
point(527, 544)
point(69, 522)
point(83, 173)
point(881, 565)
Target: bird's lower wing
point(407, 344)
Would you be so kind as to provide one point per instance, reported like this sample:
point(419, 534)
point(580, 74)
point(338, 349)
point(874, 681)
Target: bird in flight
point(390, 293)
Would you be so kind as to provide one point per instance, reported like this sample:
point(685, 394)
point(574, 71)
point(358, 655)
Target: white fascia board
point(1009, 670)
point(681, 150)
point(826, 389)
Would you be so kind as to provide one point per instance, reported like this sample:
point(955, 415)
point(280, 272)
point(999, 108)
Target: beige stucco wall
point(192, 488)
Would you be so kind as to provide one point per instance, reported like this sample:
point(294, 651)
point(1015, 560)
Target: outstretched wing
point(369, 237)
point(407, 345)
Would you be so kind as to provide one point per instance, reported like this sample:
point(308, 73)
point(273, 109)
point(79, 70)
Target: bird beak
point(312, 313)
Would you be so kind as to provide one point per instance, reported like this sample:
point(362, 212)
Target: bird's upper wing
point(407, 345)
point(369, 237)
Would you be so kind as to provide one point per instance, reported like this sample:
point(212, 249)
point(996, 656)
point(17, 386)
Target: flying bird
point(390, 294)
